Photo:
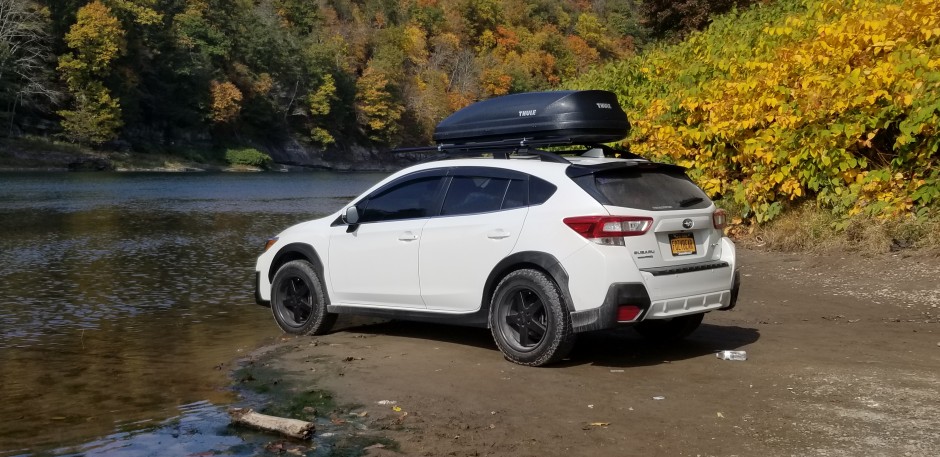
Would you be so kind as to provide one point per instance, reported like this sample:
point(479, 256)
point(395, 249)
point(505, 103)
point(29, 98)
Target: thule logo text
point(604, 106)
point(528, 112)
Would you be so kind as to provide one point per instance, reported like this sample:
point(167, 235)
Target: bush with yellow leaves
point(828, 99)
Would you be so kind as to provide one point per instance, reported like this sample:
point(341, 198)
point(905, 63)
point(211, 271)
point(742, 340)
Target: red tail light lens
point(627, 313)
point(609, 229)
point(720, 219)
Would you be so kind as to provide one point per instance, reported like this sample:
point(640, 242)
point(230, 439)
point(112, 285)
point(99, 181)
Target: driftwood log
point(293, 428)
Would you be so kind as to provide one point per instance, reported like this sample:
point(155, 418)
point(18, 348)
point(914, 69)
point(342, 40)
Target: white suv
point(534, 245)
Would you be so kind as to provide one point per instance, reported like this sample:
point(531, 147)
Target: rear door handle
point(407, 236)
point(498, 234)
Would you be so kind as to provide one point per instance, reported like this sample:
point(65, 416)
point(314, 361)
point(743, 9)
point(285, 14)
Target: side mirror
point(352, 216)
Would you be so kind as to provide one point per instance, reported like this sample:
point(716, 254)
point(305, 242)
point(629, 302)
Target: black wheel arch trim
point(605, 316)
point(544, 261)
point(298, 251)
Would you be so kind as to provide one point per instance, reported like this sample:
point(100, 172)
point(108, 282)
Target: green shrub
point(247, 156)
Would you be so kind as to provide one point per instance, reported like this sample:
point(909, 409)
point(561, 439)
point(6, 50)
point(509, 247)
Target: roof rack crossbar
point(500, 149)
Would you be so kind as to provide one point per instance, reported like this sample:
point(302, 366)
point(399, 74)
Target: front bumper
point(258, 298)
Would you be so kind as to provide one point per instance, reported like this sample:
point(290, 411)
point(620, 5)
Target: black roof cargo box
point(585, 116)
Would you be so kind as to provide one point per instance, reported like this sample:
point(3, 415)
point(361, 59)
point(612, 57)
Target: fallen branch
point(293, 428)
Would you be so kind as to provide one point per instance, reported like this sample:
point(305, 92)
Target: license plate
point(682, 244)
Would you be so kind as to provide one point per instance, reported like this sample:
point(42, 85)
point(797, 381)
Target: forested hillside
point(152, 73)
point(827, 100)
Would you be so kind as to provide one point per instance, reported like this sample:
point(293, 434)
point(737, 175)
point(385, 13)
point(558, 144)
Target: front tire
point(528, 319)
point(665, 331)
point(297, 300)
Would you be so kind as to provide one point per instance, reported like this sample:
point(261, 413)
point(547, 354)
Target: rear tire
point(674, 329)
point(529, 320)
point(297, 300)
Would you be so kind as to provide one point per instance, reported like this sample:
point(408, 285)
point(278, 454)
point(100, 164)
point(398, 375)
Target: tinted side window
point(469, 195)
point(540, 190)
point(408, 200)
point(516, 195)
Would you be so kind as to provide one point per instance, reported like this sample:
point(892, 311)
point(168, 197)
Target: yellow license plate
point(682, 244)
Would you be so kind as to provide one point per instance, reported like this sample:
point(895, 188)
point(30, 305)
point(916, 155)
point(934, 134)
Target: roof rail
point(501, 149)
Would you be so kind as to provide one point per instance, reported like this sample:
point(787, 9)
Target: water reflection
point(121, 294)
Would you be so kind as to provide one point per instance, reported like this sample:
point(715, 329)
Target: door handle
point(498, 234)
point(407, 236)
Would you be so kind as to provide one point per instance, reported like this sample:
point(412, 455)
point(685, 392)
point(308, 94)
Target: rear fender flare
point(527, 259)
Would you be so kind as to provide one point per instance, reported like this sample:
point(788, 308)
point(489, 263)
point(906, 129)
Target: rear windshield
point(655, 189)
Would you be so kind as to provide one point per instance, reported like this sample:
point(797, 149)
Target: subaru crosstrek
point(537, 246)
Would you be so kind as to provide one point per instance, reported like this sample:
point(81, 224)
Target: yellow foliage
point(226, 102)
point(832, 99)
point(376, 107)
point(97, 39)
point(142, 10)
point(495, 82)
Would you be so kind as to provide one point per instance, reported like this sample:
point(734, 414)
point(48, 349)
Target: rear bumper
point(605, 316)
point(636, 294)
point(695, 293)
point(735, 288)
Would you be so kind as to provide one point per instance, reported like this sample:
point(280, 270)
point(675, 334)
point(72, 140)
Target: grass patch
point(808, 228)
point(286, 400)
point(283, 397)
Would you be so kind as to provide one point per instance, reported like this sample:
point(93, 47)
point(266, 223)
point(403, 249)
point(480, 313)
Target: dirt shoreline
point(843, 360)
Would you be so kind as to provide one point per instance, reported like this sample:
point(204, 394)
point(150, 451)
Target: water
point(123, 298)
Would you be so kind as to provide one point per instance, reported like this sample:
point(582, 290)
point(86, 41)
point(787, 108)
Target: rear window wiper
point(690, 201)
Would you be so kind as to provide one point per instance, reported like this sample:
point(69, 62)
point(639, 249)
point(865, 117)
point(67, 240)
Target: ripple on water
point(126, 292)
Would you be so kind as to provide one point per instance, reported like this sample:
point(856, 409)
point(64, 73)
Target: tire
point(674, 329)
point(529, 320)
point(297, 300)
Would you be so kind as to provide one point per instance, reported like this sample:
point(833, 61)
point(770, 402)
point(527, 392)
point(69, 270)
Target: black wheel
point(529, 320)
point(297, 300)
point(673, 329)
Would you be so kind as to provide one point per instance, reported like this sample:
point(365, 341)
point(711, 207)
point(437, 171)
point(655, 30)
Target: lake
point(124, 298)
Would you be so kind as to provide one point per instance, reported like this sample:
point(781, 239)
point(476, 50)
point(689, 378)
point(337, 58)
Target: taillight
point(609, 230)
point(627, 313)
point(720, 219)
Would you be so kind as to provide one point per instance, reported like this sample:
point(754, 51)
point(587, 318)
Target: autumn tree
point(320, 102)
point(377, 106)
point(96, 40)
point(226, 102)
point(326, 71)
point(25, 56)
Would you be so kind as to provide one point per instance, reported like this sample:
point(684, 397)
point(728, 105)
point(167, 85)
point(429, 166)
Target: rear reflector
point(627, 313)
point(720, 219)
point(606, 229)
